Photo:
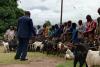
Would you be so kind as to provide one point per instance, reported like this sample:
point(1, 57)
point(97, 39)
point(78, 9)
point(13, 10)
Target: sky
point(43, 10)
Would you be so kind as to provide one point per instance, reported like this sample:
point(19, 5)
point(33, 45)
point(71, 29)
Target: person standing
point(45, 31)
point(99, 11)
point(98, 20)
point(81, 30)
point(25, 30)
point(91, 27)
point(10, 34)
point(74, 34)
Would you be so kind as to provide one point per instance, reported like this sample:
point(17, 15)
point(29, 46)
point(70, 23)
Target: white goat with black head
point(5, 46)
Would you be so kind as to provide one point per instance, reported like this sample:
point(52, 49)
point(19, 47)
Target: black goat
point(80, 52)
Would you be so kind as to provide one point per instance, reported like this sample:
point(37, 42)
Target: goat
point(6, 46)
point(69, 55)
point(80, 52)
point(62, 48)
point(93, 58)
point(38, 44)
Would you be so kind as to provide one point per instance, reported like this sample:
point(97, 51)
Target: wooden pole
point(61, 12)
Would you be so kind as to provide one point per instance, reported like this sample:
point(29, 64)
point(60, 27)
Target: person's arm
point(32, 28)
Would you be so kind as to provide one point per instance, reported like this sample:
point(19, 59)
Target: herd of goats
point(84, 52)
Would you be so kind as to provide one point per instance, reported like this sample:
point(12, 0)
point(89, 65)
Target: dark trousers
point(22, 48)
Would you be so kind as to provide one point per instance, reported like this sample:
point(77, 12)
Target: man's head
point(11, 28)
point(38, 27)
point(99, 11)
point(74, 25)
point(89, 18)
point(27, 13)
point(56, 26)
point(80, 22)
point(69, 23)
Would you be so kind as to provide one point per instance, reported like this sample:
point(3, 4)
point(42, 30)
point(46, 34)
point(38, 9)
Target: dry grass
point(8, 58)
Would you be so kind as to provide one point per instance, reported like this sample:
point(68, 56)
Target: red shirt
point(91, 26)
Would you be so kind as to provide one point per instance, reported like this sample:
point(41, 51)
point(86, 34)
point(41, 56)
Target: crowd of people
point(66, 32)
point(69, 31)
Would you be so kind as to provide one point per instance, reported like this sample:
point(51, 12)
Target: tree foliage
point(9, 14)
point(47, 23)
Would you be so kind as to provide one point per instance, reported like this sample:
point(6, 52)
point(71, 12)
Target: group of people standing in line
point(70, 32)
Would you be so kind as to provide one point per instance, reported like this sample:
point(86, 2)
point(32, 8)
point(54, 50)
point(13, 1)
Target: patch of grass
point(68, 63)
point(8, 58)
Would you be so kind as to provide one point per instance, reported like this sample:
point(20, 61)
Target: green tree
point(9, 13)
point(47, 23)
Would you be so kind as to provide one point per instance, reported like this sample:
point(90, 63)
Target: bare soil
point(38, 62)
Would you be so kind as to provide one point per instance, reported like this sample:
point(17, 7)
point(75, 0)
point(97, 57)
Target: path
point(38, 62)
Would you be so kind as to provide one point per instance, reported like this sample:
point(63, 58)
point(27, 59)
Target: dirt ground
point(38, 62)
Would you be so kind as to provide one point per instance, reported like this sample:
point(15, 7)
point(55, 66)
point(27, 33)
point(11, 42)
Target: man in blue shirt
point(74, 33)
point(25, 30)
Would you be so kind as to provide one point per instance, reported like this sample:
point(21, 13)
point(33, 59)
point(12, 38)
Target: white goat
point(93, 58)
point(38, 44)
point(69, 54)
point(61, 45)
point(99, 48)
point(6, 46)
